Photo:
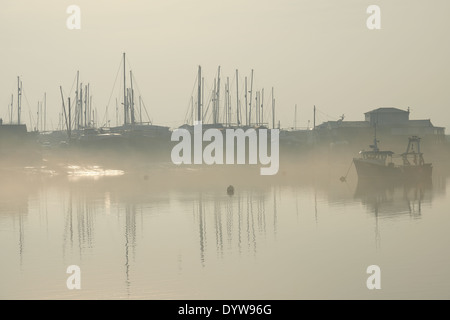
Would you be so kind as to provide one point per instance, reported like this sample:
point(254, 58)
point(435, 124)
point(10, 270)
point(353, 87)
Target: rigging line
point(73, 84)
point(344, 178)
point(139, 90)
point(112, 91)
point(209, 99)
point(189, 103)
point(29, 108)
point(326, 115)
point(268, 104)
point(142, 99)
point(349, 169)
point(145, 109)
point(209, 104)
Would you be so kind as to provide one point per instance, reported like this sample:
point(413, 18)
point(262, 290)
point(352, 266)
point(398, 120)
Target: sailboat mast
point(192, 110)
point(314, 123)
point(19, 93)
point(85, 105)
point(246, 103)
point(237, 98)
point(88, 110)
point(37, 118)
point(203, 94)
point(80, 111)
point(214, 94)
point(199, 97)
point(117, 113)
point(65, 113)
point(45, 111)
point(12, 108)
point(70, 121)
point(77, 119)
point(228, 102)
point(132, 98)
point(125, 111)
point(218, 97)
point(273, 110)
point(257, 108)
point(262, 107)
point(251, 97)
point(140, 109)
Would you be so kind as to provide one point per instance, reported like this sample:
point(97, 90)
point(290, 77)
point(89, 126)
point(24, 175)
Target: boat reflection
point(391, 199)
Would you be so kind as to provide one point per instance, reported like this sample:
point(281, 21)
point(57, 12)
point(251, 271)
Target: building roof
point(344, 124)
point(420, 123)
point(393, 110)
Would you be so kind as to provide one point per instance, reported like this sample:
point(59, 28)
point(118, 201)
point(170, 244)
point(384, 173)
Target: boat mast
point(85, 105)
point(117, 113)
point(203, 95)
point(45, 111)
point(12, 108)
point(228, 102)
point(19, 98)
point(80, 111)
point(70, 121)
point(314, 123)
point(273, 110)
point(257, 107)
point(237, 98)
point(37, 119)
point(132, 98)
point(262, 107)
point(199, 97)
point(251, 97)
point(192, 111)
point(140, 109)
point(217, 96)
point(88, 111)
point(125, 109)
point(246, 103)
point(65, 113)
point(77, 119)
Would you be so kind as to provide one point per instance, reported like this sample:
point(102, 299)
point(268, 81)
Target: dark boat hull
point(369, 170)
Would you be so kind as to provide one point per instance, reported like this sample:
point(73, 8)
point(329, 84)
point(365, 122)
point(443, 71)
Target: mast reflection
point(238, 222)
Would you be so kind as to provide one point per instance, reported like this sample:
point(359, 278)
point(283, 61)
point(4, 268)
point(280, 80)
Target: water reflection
point(235, 223)
point(136, 221)
point(390, 200)
point(14, 206)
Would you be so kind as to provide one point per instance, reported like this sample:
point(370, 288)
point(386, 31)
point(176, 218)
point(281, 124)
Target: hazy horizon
point(312, 52)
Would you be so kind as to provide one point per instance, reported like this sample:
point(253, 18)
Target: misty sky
point(313, 52)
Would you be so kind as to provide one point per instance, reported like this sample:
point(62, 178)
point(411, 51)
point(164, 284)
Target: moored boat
point(377, 164)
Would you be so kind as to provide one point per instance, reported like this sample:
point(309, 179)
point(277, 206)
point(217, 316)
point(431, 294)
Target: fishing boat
point(378, 164)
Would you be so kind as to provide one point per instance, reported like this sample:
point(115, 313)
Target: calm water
point(170, 233)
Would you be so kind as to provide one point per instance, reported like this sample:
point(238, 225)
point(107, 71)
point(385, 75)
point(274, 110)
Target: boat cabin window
point(380, 156)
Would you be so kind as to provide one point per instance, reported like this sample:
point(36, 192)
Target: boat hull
point(369, 170)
